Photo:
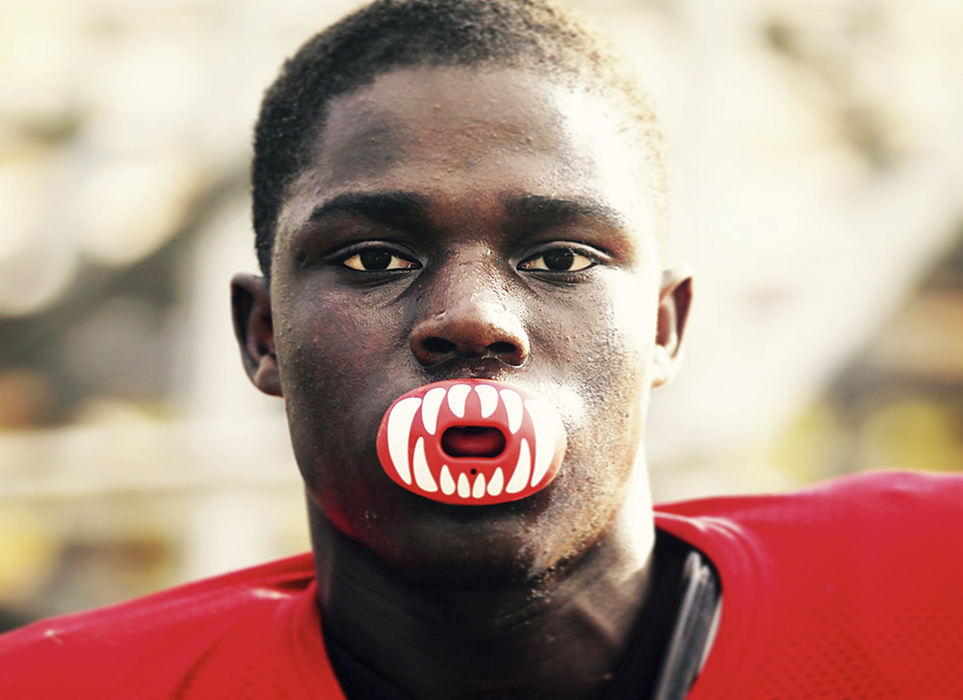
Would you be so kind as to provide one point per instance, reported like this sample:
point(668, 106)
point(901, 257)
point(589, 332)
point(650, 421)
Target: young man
point(459, 209)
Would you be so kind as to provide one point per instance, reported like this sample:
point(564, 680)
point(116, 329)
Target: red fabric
point(850, 589)
point(846, 590)
point(250, 634)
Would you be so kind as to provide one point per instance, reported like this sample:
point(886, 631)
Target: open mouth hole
point(473, 441)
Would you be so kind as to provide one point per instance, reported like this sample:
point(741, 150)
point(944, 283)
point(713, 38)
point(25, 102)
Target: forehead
point(470, 136)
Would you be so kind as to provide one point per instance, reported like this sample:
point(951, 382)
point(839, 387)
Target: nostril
point(438, 346)
point(503, 348)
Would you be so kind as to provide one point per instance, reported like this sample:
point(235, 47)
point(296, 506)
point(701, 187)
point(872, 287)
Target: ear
point(675, 297)
point(254, 329)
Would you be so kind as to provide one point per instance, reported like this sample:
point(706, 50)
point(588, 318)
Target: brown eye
point(558, 260)
point(378, 260)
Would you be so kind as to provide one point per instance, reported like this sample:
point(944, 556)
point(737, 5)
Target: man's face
point(458, 223)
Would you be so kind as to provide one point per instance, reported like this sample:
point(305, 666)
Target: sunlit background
point(817, 161)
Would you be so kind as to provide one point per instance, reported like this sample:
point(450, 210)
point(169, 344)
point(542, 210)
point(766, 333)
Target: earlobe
point(662, 367)
point(254, 330)
point(675, 299)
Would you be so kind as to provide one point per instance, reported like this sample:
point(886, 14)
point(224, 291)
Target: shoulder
point(159, 637)
point(891, 500)
point(863, 568)
point(861, 520)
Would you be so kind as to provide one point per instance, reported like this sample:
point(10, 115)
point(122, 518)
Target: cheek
point(327, 345)
point(336, 383)
point(606, 358)
point(634, 317)
point(606, 338)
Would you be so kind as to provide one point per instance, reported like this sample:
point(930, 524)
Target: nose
point(470, 321)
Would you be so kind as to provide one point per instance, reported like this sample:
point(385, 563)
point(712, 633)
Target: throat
point(564, 636)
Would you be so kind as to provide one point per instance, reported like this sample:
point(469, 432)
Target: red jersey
point(848, 589)
point(253, 633)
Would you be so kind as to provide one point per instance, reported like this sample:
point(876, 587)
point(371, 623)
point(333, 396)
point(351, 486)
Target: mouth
point(471, 442)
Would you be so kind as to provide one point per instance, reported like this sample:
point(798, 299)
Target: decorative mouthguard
point(471, 442)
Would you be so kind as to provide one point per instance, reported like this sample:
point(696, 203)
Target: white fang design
point(430, 408)
point(488, 397)
point(522, 471)
point(447, 483)
point(513, 407)
point(544, 438)
point(423, 477)
point(456, 399)
point(496, 483)
point(464, 490)
point(478, 490)
point(399, 427)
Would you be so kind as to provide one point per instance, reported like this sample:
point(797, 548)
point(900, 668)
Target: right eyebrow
point(398, 208)
point(546, 211)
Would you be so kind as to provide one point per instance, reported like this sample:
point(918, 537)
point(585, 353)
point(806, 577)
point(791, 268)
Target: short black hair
point(526, 34)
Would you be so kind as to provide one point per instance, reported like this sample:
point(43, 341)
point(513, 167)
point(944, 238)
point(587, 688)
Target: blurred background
point(816, 149)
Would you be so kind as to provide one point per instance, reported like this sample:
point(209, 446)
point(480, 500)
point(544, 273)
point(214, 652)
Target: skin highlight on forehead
point(422, 126)
point(532, 36)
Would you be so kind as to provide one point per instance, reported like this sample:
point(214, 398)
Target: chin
point(507, 545)
point(467, 546)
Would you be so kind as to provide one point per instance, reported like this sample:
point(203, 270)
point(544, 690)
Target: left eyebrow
point(543, 212)
point(397, 208)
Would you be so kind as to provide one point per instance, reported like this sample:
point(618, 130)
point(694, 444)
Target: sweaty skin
point(458, 223)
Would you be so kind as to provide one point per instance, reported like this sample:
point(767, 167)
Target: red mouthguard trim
point(411, 453)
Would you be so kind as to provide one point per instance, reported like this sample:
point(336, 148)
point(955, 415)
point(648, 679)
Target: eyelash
point(401, 261)
point(578, 257)
point(398, 261)
point(390, 264)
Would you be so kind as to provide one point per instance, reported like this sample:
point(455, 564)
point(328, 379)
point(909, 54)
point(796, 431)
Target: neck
point(562, 634)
